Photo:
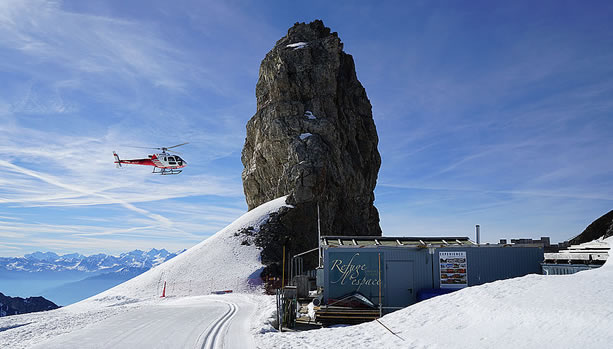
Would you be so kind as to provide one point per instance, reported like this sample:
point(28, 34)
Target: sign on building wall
point(355, 272)
point(453, 268)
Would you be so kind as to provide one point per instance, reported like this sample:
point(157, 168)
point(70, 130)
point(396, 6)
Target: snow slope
point(220, 262)
point(535, 311)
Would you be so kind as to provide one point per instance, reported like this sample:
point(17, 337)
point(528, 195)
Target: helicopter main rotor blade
point(178, 145)
point(174, 152)
point(163, 149)
point(132, 146)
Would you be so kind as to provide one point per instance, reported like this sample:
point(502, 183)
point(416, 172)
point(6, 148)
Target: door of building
point(400, 291)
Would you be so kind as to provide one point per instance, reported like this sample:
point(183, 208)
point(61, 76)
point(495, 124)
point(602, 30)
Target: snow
point(556, 311)
point(310, 115)
point(196, 271)
point(535, 311)
point(219, 262)
point(205, 321)
point(305, 136)
point(311, 311)
point(298, 45)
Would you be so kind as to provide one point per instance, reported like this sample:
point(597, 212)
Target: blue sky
point(490, 113)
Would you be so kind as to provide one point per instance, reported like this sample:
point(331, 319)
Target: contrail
point(48, 179)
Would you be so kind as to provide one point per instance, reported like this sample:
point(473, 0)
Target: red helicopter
point(163, 163)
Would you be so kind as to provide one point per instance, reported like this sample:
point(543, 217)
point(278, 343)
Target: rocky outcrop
point(312, 138)
point(600, 228)
point(18, 305)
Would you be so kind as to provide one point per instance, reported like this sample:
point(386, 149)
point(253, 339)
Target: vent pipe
point(478, 232)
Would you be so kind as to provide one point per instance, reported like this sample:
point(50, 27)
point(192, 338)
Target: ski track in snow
point(216, 332)
point(206, 322)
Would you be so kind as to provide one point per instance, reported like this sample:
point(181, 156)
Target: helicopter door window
point(171, 160)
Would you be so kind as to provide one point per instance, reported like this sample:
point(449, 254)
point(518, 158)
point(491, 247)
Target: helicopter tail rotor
point(117, 161)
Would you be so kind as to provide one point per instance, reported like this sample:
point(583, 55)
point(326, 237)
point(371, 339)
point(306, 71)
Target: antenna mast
point(319, 235)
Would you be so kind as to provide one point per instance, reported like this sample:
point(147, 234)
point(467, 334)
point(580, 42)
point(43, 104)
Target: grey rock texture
point(312, 138)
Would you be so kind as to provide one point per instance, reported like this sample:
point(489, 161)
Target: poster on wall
point(453, 267)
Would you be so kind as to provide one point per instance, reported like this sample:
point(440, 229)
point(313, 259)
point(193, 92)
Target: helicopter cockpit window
point(171, 160)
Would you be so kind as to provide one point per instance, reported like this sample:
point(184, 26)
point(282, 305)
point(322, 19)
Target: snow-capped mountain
point(49, 261)
point(68, 278)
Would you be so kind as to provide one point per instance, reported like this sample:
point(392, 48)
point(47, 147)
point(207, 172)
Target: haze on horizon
point(498, 114)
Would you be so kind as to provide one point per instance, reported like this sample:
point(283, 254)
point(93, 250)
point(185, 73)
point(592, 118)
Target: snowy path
point(191, 322)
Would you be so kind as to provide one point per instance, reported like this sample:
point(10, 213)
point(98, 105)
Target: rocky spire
point(313, 138)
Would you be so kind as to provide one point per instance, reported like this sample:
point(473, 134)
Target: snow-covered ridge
point(220, 262)
point(49, 261)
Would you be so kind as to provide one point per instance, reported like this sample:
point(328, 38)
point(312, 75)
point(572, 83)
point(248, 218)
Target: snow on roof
point(591, 245)
point(595, 251)
point(412, 241)
point(197, 270)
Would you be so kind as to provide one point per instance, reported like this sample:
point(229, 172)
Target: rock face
point(312, 138)
point(600, 228)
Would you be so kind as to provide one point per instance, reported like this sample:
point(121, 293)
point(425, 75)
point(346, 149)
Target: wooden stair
point(343, 315)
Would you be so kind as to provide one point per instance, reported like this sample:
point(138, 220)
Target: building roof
point(419, 242)
point(593, 252)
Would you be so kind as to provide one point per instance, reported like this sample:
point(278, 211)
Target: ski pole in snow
point(392, 332)
point(164, 290)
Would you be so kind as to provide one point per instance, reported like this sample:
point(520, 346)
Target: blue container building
point(399, 271)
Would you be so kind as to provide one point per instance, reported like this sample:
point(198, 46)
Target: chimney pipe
point(478, 231)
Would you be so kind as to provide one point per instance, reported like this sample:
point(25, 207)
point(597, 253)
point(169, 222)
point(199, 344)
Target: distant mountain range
point(97, 263)
point(69, 278)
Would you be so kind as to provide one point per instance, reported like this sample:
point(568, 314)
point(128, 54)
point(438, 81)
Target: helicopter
point(163, 163)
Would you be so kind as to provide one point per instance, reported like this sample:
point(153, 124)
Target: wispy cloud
point(88, 179)
point(91, 44)
point(108, 199)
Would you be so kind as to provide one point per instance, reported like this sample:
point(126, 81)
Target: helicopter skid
point(166, 171)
